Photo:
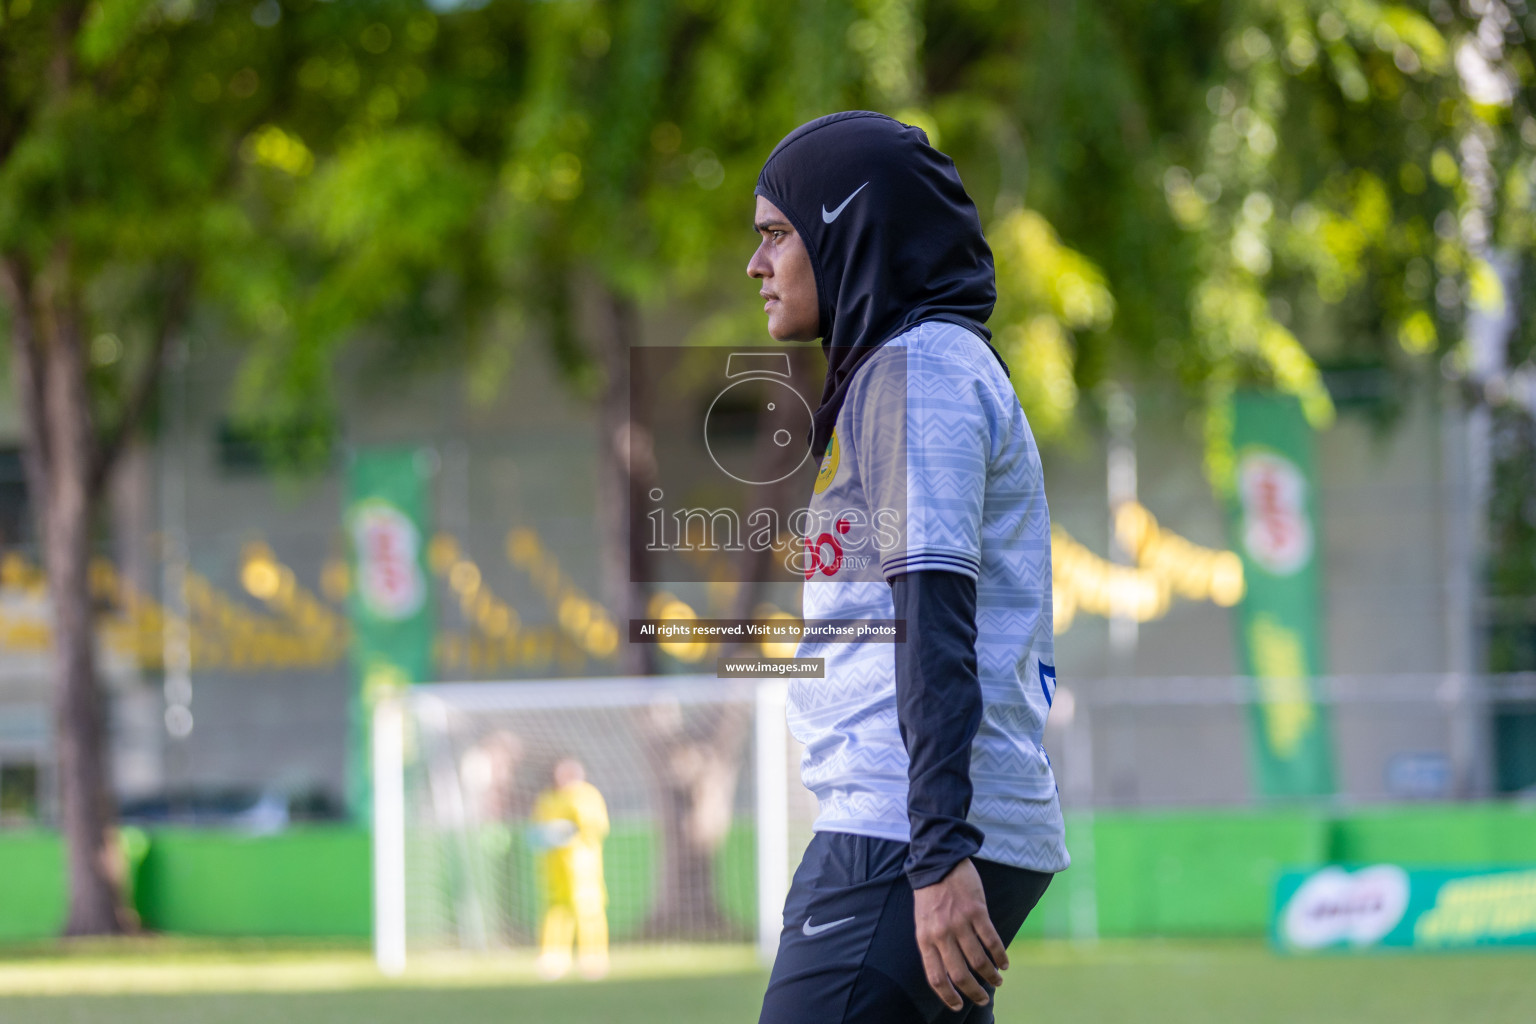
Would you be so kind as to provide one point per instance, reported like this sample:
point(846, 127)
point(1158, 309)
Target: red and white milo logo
point(1276, 531)
point(389, 574)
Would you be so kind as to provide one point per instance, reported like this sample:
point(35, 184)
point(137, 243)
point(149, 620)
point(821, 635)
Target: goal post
point(771, 751)
point(697, 776)
point(389, 836)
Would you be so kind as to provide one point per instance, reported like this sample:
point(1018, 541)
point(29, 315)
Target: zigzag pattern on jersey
point(995, 815)
point(1013, 789)
point(1013, 769)
point(931, 461)
point(1016, 526)
point(1020, 568)
point(870, 723)
point(835, 599)
point(841, 772)
point(844, 754)
point(1024, 569)
point(1011, 621)
point(944, 512)
point(872, 430)
point(998, 658)
point(1019, 817)
point(1039, 855)
point(867, 805)
point(1026, 541)
point(867, 679)
point(1009, 710)
point(1014, 551)
point(1013, 719)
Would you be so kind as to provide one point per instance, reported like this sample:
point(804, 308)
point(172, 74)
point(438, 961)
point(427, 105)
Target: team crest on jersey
point(828, 468)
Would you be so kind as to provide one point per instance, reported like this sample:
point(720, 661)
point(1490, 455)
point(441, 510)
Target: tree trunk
point(49, 358)
point(95, 897)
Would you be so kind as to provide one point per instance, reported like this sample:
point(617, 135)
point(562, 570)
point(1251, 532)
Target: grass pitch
point(181, 982)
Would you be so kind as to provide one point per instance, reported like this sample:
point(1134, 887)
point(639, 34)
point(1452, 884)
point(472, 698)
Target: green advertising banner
point(1387, 907)
point(387, 526)
point(1274, 523)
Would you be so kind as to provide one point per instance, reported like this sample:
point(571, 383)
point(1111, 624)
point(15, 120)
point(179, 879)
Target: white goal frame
point(770, 778)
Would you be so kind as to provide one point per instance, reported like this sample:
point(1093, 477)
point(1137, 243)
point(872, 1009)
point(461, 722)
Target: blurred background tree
point(159, 183)
point(1262, 186)
point(1215, 195)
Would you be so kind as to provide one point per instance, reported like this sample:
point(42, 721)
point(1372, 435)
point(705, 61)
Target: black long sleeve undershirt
point(938, 709)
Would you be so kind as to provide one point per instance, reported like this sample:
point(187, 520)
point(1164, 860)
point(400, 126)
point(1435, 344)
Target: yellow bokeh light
point(602, 639)
point(336, 580)
point(464, 577)
point(575, 614)
point(1227, 586)
point(672, 608)
point(496, 619)
point(442, 552)
point(261, 578)
point(522, 546)
point(1167, 565)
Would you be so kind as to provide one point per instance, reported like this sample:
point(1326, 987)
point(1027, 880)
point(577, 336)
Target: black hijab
point(893, 238)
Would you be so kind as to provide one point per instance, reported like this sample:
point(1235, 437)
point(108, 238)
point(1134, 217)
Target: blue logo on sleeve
point(1048, 683)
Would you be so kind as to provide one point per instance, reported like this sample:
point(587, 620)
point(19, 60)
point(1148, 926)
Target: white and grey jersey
point(932, 466)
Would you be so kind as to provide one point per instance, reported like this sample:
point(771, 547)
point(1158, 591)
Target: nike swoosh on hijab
point(909, 252)
point(828, 218)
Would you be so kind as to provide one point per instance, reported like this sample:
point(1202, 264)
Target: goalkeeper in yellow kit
point(570, 823)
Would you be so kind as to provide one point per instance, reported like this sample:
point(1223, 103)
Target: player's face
point(788, 283)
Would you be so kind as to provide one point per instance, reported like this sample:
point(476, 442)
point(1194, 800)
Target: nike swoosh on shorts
point(814, 930)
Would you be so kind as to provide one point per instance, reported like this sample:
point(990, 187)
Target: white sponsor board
point(1336, 906)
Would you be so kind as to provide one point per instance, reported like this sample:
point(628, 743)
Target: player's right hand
point(956, 937)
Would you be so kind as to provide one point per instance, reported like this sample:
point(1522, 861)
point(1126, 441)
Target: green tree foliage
point(1263, 185)
point(175, 169)
point(1220, 193)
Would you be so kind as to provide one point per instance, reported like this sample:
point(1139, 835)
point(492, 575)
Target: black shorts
point(848, 951)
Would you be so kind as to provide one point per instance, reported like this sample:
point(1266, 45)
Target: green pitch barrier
point(304, 881)
point(1202, 873)
point(1186, 874)
point(1449, 835)
point(31, 884)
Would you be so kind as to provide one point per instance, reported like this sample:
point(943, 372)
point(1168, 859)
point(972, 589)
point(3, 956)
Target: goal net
point(484, 819)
